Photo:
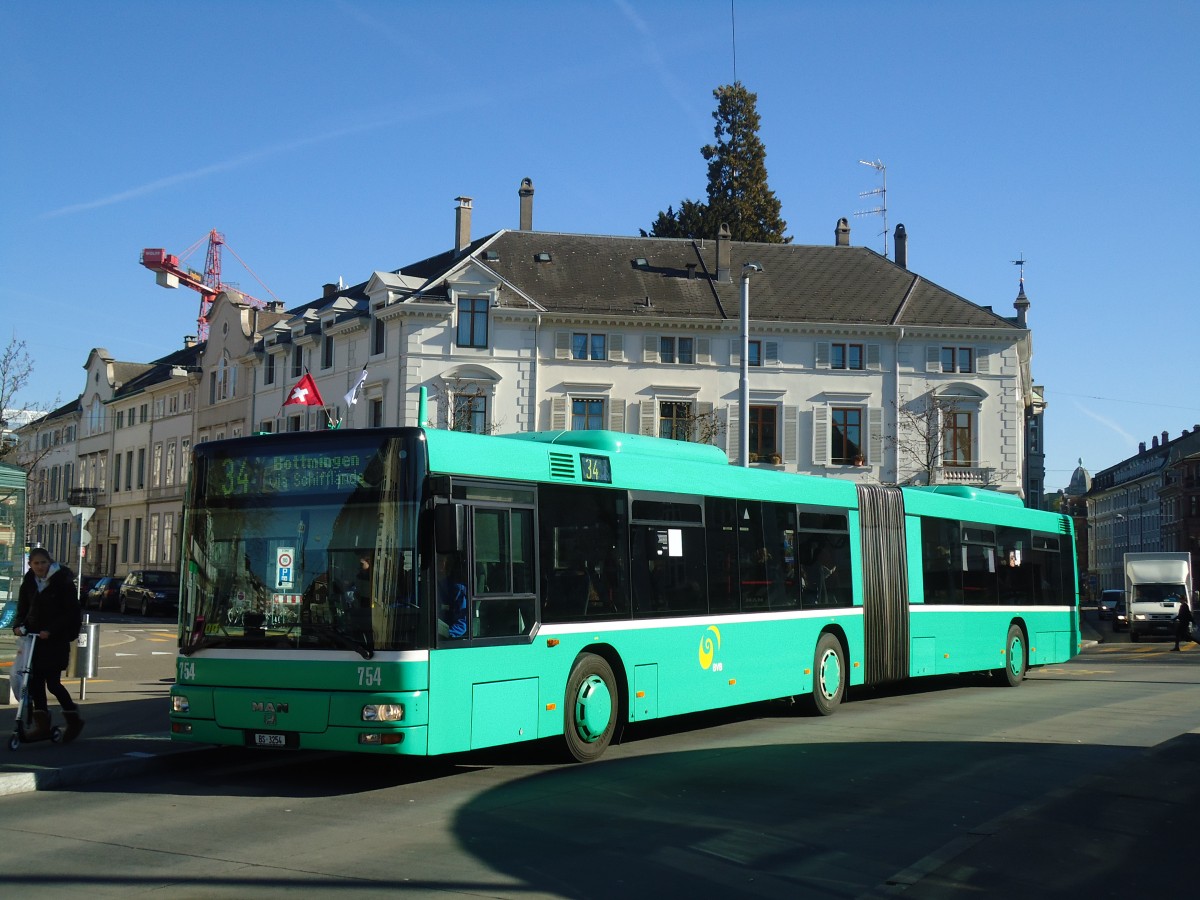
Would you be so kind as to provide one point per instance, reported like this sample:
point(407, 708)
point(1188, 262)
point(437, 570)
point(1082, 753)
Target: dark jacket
point(54, 609)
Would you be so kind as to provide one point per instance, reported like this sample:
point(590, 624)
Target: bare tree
point(697, 428)
point(460, 401)
point(15, 369)
point(920, 440)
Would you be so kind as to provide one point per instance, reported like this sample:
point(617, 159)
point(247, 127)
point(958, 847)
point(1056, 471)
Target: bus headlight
point(179, 703)
point(383, 712)
point(1141, 617)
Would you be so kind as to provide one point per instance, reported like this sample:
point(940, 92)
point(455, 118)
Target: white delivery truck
point(1155, 585)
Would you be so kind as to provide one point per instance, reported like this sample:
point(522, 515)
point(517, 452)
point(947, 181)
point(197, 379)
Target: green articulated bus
point(419, 591)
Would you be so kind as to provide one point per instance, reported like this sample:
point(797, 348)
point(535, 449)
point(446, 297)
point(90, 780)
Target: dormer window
point(472, 322)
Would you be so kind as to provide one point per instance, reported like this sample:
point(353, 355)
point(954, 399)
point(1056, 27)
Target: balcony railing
point(83, 496)
point(972, 476)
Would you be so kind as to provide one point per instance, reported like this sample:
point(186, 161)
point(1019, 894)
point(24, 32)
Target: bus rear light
point(383, 712)
point(179, 703)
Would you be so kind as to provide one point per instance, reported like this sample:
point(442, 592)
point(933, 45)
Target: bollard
point(85, 655)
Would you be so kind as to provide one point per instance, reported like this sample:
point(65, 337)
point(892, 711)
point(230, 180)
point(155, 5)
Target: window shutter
point(735, 352)
point(616, 414)
point(647, 421)
point(875, 435)
point(791, 434)
point(616, 347)
point(704, 351)
point(873, 357)
point(822, 355)
point(820, 448)
point(562, 345)
point(650, 349)
point(733, 433)
point(771, 352)
point(933, 358)
point(703, 411)
point(983, 361)
point(558, 414)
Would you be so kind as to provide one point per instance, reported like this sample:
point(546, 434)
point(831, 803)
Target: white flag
point(352, 395)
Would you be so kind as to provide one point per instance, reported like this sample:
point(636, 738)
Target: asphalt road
point(1072, 785)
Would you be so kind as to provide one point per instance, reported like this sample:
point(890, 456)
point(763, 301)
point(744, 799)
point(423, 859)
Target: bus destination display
point(595, 468)
point(284, 473)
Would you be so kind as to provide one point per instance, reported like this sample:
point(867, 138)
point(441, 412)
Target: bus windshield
point(304, 542)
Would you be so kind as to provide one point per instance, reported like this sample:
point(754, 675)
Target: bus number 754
point(370, 676)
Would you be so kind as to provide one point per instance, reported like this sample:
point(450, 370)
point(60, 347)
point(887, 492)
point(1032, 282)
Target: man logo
point(268, 707)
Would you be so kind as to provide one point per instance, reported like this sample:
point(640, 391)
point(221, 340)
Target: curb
point(54, 779)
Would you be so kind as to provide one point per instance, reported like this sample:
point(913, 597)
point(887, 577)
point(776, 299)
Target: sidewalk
point(126, 733)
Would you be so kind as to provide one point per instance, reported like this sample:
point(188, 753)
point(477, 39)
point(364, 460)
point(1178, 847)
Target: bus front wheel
point(1014, 656)
point(829, 676)
point(591, 708)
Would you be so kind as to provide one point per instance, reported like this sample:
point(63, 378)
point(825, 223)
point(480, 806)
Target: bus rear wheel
point(1014, 656)
point(591, 708)
point(829, 676)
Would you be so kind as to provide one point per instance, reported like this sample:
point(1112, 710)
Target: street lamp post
point(744, 376)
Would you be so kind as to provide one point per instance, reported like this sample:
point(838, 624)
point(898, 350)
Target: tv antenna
point(881, 192)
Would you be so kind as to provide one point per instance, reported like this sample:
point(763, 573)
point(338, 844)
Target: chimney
point(723, 240)
point(1165, 439)
point(462, 224)
point(1142, 447)
point(901, 241)
point(328, 290)
point(841, 234)
point(189, 341)
point(691, 270)
point(1154, 442)
point(526, 195)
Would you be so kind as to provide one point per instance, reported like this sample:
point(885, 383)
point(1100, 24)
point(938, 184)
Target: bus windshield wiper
point(363, 648)
point(201, 642)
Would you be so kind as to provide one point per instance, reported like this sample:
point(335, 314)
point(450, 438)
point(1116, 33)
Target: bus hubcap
point(830, 675)
point(1016, 656)
point(593, 708)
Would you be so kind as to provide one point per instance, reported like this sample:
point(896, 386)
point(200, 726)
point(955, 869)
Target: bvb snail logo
point(707, 647)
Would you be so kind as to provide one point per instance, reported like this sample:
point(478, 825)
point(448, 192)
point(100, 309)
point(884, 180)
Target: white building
point(857, 367)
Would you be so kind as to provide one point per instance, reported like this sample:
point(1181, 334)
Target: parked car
point(105, 594)
point(1109, 600)
point(148, 590)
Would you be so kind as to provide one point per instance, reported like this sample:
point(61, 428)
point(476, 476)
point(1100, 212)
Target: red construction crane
point(170, 272)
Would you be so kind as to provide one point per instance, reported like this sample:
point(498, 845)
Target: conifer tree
point(738, 194)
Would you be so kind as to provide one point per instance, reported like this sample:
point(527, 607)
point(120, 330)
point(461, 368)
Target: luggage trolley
point(19, 681)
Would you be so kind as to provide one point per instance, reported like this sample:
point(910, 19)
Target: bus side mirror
point(449, 525)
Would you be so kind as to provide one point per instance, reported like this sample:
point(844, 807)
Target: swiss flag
point(305, 393)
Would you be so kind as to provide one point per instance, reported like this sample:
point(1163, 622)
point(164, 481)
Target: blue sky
point(330, 139)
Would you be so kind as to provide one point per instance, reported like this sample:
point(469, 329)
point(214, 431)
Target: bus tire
point(591, 708)
point(1014, 657)
point(829, 676)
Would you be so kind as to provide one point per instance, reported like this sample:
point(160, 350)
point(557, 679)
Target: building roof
point(641, 277)
point(159, 370)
